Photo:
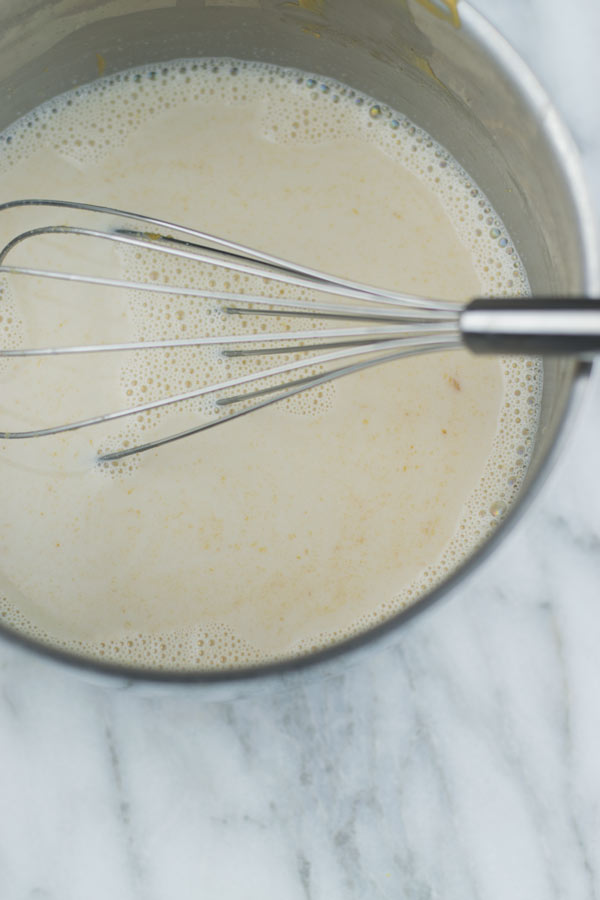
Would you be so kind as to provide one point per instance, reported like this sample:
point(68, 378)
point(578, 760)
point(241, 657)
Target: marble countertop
point(463, 763)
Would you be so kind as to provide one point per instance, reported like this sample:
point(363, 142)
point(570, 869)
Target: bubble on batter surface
point(209, 646)
point(12, 327)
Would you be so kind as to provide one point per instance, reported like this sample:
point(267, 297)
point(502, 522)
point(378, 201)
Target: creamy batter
point(304, 523)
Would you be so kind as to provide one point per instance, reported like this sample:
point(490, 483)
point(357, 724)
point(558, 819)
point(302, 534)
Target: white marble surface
point(464, 763)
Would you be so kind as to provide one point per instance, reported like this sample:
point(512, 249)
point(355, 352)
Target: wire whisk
point(348, 327)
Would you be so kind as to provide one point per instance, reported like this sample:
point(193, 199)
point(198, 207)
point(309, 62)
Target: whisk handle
point(548, 326)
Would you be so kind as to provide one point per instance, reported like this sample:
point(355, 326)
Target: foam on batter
point(92, 130)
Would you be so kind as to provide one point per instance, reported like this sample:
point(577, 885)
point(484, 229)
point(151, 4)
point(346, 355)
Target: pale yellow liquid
point(295, 526)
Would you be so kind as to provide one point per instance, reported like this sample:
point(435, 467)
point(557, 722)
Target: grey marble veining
point(464, 763)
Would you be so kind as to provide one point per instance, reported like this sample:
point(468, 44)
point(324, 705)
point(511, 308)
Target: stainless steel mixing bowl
point(452, 74)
